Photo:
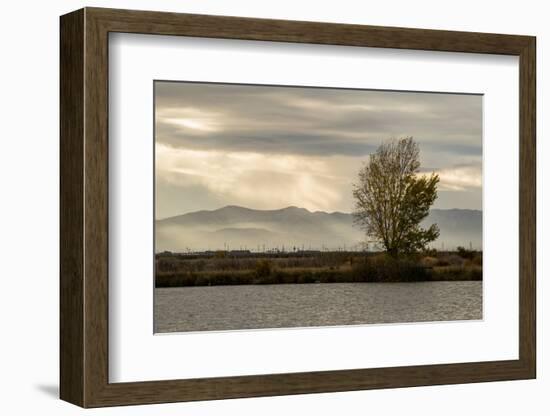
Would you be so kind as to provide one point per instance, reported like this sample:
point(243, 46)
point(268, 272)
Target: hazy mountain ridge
point(233, 227)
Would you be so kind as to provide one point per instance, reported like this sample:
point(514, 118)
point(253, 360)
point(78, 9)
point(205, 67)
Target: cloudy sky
point(270, 147)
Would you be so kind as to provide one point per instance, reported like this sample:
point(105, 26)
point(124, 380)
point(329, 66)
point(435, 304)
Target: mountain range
point(234, 227)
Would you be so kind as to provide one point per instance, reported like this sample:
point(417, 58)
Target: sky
point(269, 147)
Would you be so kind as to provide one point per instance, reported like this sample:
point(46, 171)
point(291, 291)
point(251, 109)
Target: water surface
point(218, 308)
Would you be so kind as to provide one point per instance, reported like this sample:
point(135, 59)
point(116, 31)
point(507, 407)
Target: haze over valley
point(293, 228)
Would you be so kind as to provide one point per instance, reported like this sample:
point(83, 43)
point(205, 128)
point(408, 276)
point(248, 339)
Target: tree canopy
point(392, 198)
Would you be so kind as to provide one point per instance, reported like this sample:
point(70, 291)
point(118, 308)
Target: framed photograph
point(254, 207)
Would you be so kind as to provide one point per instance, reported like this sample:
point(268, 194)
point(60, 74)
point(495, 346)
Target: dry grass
point(331, 267)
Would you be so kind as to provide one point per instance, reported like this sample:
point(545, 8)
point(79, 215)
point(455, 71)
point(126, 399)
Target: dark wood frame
point(84, 208)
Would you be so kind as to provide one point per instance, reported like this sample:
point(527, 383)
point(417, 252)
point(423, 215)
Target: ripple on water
point(218, 308)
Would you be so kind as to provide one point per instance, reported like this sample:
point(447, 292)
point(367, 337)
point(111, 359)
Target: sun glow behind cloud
point(190, 123)
point(253, 179)
point(189, 118)
point(460, 178)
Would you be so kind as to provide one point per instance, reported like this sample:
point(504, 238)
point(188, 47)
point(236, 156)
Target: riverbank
point(336, 267)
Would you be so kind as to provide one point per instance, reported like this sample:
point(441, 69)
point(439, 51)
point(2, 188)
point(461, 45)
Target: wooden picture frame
point(84, 207)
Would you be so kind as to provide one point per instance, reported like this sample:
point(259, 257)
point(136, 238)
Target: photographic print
point(291, 206)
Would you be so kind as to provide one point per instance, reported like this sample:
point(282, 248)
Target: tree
point(392, 198)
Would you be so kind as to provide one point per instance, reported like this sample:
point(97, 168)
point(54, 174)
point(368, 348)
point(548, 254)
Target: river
point(218, 308)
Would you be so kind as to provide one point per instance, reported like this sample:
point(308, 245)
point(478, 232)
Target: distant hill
point(234, 227)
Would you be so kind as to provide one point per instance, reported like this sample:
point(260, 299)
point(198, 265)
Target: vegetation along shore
point(242, 267)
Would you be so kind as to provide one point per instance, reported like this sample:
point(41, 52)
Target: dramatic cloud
point(269, 147)
point(253, 179)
